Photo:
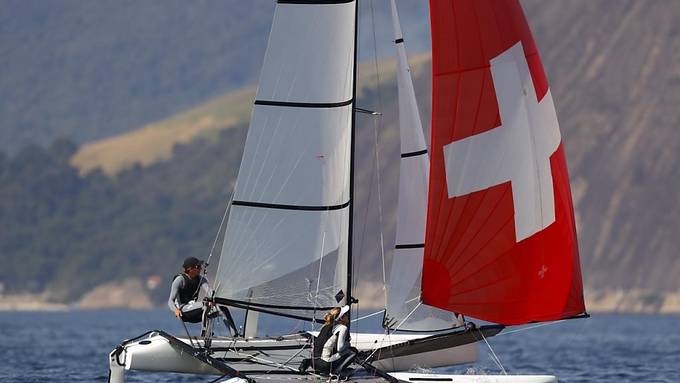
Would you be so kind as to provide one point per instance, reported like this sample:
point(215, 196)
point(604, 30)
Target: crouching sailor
point(319, 341)
point(337, 353)
point(183, 299)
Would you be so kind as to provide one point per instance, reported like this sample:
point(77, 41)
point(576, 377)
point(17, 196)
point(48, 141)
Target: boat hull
point(276, 359)
point(156, 353)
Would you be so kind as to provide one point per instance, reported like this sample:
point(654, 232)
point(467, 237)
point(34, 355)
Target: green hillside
point(67, 225)
point(70, 228)
point(89, 70)
point(94, 69)
point(67, 233)
point(154, 142)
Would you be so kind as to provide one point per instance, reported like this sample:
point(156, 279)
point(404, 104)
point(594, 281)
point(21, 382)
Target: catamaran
point(485, 226)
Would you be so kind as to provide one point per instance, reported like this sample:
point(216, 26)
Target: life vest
point(330, 348)
point(320, 340)
point(189, 291)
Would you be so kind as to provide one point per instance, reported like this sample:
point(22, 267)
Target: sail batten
point(290, 207)
point(304, 104)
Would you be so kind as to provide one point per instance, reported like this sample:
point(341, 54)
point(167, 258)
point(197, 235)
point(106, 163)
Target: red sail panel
point(501, 239)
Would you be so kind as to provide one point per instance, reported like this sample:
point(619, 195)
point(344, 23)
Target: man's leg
point(229, 321)
point(345, 360)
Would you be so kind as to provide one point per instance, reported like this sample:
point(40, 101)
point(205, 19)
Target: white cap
point(344, 310)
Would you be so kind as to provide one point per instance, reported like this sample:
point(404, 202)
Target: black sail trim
point(397, 41)
point(289, 207)
point(228, 301)
point(305, 2)
point(255, 307)
point(304, 104)
point(410, 246)
point(413, 154)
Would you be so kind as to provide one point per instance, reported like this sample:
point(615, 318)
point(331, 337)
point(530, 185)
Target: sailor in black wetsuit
point(183, 300)
point(318, 341)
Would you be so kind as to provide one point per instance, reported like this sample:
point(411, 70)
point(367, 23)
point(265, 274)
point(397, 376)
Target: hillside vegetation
point(155, 142)
point(615, 74)
point(88, 70)
point(614, 69)
point(67, 233)
point(136, 208)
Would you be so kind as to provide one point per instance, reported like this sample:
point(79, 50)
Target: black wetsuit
point(184, 290)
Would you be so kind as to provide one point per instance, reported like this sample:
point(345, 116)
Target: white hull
point(156, 354)
point(277, 359)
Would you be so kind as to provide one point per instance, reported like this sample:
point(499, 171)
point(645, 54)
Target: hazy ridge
point(614, 69)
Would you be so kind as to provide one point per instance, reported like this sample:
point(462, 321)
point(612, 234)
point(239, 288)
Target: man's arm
point(343, 344)
point(173, 300)
point(205, 286)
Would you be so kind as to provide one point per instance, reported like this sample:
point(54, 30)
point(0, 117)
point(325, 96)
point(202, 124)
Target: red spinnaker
point(474, 263)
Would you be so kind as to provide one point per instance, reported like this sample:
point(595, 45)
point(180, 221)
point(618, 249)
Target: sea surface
point(73, 347)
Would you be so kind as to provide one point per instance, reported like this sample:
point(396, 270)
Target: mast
point(349, 299)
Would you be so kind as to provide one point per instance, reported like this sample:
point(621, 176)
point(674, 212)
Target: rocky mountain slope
point(614, 67)
point(89, 70)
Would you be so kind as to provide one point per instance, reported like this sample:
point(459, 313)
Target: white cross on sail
point(517, 151)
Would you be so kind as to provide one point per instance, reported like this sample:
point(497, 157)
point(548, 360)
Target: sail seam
point(290, 207)
point(304, 104)
point(414, 154)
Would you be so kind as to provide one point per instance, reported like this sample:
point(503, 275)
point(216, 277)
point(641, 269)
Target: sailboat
point(485, 226)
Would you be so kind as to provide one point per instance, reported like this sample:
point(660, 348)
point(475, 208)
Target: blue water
point(73, 347)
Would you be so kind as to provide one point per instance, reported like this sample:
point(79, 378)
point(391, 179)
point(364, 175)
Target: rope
point(212, 249)
point(387, 332)
point(530, 327)
point(493, 353)
point(272, 363)
point(219, 229)
point(187, 331)
point(409, 315)
point(318, 278)
point(377, 123)
point(367, 316)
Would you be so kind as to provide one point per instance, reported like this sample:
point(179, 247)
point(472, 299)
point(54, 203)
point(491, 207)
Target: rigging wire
point(494, 357)
point(375, 174)
point(318, 278)
point(366, 316)
point(530, 327)
point(271, 363)
point(388, 332)
point(219, 229)
point(377, 124)
point(408, 316)
point(207, 262)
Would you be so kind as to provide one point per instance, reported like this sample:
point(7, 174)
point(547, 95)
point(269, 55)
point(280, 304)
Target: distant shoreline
point(605, 301)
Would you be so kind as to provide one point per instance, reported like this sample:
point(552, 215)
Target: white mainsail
point(403, 304)
point(286, 241)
